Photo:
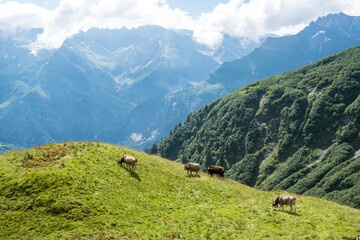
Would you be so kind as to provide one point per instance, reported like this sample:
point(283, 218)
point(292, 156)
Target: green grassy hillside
point(77, 191)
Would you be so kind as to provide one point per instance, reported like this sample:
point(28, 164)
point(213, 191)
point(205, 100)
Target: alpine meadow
point(76, 190)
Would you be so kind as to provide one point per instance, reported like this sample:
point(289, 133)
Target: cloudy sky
point(209, 19)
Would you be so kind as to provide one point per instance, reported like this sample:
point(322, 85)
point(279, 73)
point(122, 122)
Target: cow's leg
point(294, 207)
point(290, 207)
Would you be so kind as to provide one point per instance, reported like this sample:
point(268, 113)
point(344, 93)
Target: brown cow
point(192, 167)
point(217, 170)
point(129, 160)
point(358, 237)
point(285, 200)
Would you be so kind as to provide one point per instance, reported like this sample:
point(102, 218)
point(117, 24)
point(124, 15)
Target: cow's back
point(216, 169)
point(129, 158)
point(194, 166)
point(286, 199)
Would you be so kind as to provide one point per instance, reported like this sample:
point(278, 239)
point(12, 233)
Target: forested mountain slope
point(299, 131)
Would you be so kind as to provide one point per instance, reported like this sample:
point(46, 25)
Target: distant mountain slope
point(14, 57)
point(75, 92)
point(326, 36)
point(299, 131)
point(58, 99)
point(6, 147)
point(145, 62)
point(78, 191)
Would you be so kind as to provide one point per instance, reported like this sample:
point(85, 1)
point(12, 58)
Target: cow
point(217, 170)
point(358, 237)
point(129, 160)
point(285, 200)
point(192, 167)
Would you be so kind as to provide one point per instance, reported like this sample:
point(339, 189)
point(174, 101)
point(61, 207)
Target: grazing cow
point(217, 170)
point(192, 167)
point(285, 200)
point(129, 160)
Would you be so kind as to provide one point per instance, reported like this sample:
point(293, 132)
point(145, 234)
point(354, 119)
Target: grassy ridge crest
point(77, 191)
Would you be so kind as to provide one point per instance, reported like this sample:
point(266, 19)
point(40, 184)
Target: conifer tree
point(222, 158)
point(208, 158)
point(154, 149)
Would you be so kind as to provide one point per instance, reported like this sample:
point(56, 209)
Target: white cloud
point(236, 18)
point(261, 17)
point(73, 16)
point(14, 15)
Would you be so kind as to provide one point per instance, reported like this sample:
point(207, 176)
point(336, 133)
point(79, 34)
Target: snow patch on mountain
point(357, 153)
point(136, 137)
point(5, 104)
point(317, 34)
point(41, 92)
point(141, 140)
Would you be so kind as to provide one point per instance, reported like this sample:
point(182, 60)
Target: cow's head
point(121, 160)
point(274, 204)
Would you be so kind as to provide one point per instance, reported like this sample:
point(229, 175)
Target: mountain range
point(323, 37)
point(75, 92)
point(131, 86)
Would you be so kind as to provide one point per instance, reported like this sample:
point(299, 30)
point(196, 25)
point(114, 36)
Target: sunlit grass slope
point(78, 191)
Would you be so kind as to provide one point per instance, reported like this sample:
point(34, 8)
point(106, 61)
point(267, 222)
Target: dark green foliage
point(293, 164)
point(152, 150)
point(246, 170)
point(290, 132)
point(208, 159)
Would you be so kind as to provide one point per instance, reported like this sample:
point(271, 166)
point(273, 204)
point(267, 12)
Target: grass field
point(78, 191)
